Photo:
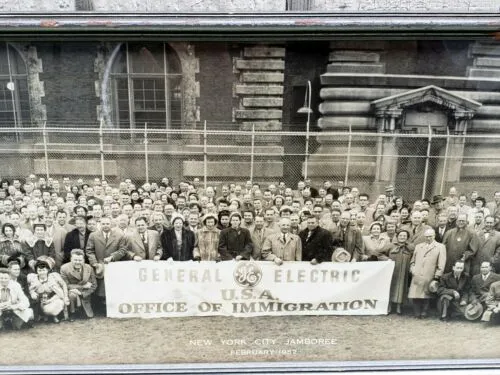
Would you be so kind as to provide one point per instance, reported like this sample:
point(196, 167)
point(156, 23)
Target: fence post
point(445, 162)
point(348, 155)
point(205, 155)
point(45, 149)
point(427, 157)
point(146, 161)
point(101, 146)
point(252, 152)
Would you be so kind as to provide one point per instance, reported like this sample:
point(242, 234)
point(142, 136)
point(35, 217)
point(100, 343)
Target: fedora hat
point(341, 252)
point(389, 188)
point(433, 286)
point(473, 311)
point(437, 199)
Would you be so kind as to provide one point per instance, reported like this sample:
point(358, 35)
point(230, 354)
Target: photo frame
point(387, 54)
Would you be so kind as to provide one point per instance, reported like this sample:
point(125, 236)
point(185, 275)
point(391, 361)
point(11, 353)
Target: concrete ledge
point(479, 170)
point(263, 102)
point(343, 122)
point(353, 56)
point(259, 90)
point(260, 64)
point(363, 45)
point(88, 167)
point(487, 61)
point(352, 67)
point(344, 108)
point(271, 114)
point(327, 167)
point(368, 93)
point(403, 80)
point(263, 77)
point(483, 73)
point(233, 169)
point(261, 125)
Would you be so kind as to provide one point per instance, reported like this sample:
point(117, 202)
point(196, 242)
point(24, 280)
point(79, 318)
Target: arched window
point(147, 88)
point(14, 95)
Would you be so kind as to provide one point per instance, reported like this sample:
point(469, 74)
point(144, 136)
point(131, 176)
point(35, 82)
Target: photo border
point(256, 27)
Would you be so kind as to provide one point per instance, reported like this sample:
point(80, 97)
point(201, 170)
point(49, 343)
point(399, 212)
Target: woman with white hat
point(48, 289)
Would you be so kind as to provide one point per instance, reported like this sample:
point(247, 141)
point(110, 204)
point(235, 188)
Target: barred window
point(147, 87)
point(14, 95)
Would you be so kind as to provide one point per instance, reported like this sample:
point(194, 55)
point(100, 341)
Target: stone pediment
point(428, 94)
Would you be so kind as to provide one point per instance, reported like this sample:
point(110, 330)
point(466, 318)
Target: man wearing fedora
point(437, 204)
point(81, 281)
point(427, 264)
point(144, 243)
point(282, 246)
point(453, 291)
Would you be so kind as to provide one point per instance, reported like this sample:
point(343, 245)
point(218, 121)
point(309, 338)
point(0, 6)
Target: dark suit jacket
point(72, 241)
point(479, 288)
point(170, 241)
point(234, 242)
point(448, 284)
point(135, 245)
point(319, 246)
point(438, 237)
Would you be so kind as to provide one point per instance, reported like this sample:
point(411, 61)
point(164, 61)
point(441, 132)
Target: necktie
point(145, 242)
point(284, 238)
point(106, 237)
point(309, 235)
point(4, 295)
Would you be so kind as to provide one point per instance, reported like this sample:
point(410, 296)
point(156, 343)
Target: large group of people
point(56, 237)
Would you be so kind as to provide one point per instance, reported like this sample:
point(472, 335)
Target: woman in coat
point(376, 246)
point(10, 246)
point(208, 240)
point(48, 289)
point(179, 241)
point(401, 255)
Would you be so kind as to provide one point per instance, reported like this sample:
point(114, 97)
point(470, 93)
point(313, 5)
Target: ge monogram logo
point(247, 274)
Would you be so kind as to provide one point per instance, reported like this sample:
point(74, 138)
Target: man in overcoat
point(282, 246)
point(427, 264)
point(104, 246)
point(81, 281)
point(317, 243)
point(461, 243)
point(348, 237)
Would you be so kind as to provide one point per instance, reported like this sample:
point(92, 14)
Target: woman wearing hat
point(39, 245)
point(10, 246)
point(179, 241)
point(479, 206)
point(376, 246)
point(401, 255)
point(208, 240)
point(48, 289)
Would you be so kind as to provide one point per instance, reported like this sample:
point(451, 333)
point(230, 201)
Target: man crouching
point(81, 281)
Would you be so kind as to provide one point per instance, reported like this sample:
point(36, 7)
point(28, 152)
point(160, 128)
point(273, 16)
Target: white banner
point(149, 289)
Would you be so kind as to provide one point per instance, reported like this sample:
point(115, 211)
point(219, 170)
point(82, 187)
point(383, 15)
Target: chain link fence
point(418, 164)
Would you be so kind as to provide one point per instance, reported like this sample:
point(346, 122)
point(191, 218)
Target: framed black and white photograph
point(297, 186)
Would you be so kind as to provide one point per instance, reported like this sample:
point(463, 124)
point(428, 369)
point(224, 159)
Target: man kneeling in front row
point(14, 305)
point(453, 291)
point(81, 281)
